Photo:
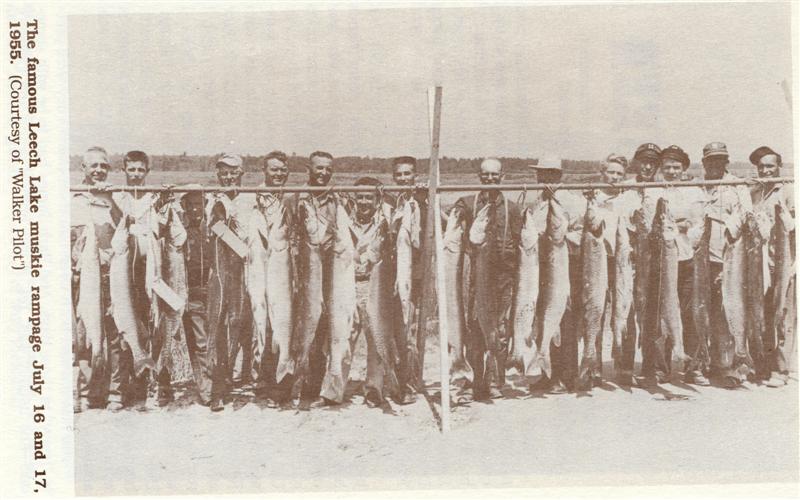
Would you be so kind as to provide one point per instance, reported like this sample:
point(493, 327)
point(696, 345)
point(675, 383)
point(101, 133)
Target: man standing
point(686, 207)
point(320, 208)
point(492, 246)
point(404, 173)
point(564, 358)
point(94, 218)
point(272, 209)
point(724, 205)
point(229, 316)
point(646, 162)
point(765, 196)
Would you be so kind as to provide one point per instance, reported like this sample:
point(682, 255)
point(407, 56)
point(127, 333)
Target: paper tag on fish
point(229, 238)
point(168, 295)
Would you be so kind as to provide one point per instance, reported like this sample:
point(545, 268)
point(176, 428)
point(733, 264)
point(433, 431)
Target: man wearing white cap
point(95, 215)
point(229, 315)
point(549, 170)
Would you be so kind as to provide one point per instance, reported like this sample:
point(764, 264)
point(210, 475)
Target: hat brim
point(715, 155)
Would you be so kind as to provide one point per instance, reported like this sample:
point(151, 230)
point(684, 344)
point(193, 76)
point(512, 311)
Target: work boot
point(320, 402)
point(494, 393)
point(558, 388)
point(373, 400)
point(541, 385)
point(164, 397)
point(625, 378)
point(114, 406)
point(406, 398)
point(216, 404)
point(776, 380)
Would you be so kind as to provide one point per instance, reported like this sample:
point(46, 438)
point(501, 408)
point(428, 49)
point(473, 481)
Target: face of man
point(647, 168)
point(135, 172)
point(548, 176)
point(671, 170)
point(715, 167)
point(613, 173)
point(768, 166)
point(404, 174)
point(193, 205)
point(95, 167)
point(366, 204)
point(275, 172)
point(320, 171)
point(491, 172)
point(228, 175)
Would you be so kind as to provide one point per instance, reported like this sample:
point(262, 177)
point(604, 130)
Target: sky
point(575, 81)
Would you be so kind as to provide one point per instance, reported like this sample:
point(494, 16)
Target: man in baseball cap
point(229, 169)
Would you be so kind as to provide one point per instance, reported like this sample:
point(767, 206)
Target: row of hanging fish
point(643, 307)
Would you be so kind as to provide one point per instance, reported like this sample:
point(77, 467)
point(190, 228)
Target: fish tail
point(543, 360)
point(285, 367)
point(460, 369)
point(333, 387)
point(556, 338)
point(142, 364)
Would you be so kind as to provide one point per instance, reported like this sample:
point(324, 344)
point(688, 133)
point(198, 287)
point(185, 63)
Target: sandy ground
point(675, 435)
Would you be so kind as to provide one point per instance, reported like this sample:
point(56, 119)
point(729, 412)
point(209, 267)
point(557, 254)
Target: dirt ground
point(675, 435)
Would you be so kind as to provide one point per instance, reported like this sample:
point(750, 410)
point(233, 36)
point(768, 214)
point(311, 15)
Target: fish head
point(481, 219)
point(529, 234)
point(454, 230)
point(782, 216)
point(314, 227)
point(557, 220)
point(119, 242)
point(663, 220)
point(345, 239)
point(593, 221)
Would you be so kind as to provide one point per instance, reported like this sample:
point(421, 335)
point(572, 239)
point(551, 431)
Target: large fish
point(255, 275)
point(701, 298)
point(594, 280)
point(622, 295)
point(173, 351)
point(754, 290)
point(279, 289)
point(89, 310)
point(453, 257)
point(309, 281)
point(781, 323)
point(120, 284)
point(554, 282)
point(734, 299)
point(642, 220)
point(382, 306)
point(485, 253)
point(408, 234)
point(342, 304)
point(524, 353)
point(662, 310)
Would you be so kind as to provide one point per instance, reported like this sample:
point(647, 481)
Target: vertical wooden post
point(427, 313)
point(444, 326)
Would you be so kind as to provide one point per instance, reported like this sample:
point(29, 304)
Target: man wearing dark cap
point(725, 206)
point(766, 196)
point(646, 162)
point(686, 207)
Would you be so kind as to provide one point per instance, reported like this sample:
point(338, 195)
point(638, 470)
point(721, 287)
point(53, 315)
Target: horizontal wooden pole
point(441, 188)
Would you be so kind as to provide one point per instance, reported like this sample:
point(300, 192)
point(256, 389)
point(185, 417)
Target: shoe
point(271, 403)
point(597, 380)
point(114, 406)
point(164, 398)
point(542, 385)
point(406, 398)
point(494, 393)
point(320, 402)
point(626, 379)
point(80, 405)
point(696, 377)
point(372, 400)
point(216, 405)
point(558, 388)
point(776, 380)
point(731, 382)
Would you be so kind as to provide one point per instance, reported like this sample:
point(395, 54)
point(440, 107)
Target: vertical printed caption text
point(25, 176)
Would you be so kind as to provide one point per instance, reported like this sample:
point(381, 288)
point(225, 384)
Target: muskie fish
point(382, 307)
point(255, 276)
point(554, 287)
point(734, 266)
point(594, 279)
point(453, 243)
point(122, 299)
point(279, 291)
point(642, 221)
point(171, 347)
point(485, 302)
point(408, 234)
point(89, 310)
point(343, 309)
point(662, 312)
point(754, 289)
point(622, 296)
point(780, 301)
point(701, 297)
point(524, 353)
point(309, 281)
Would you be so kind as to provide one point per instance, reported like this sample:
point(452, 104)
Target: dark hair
point(322, 154)
point(368, 181)
point(277, 155)
point(136, 156)
point(405, 160)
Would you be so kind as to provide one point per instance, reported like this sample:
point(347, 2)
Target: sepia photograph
point(343, 247)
